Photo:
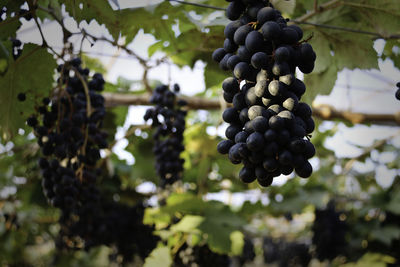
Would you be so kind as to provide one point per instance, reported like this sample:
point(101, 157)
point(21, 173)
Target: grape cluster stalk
point(168, 119)
point(68, 128)
point(269, 127)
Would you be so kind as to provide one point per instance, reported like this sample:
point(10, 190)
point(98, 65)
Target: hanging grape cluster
point(285, 253)
point(115, 225)
point(68, 129)
point(269, 126)
point(70, 137)
point(168, 118)
point(248, 253)
point(329, 230)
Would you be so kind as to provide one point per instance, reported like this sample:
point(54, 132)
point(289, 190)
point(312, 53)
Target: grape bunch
point(329, 230)
point(285, 253)
point(168, 118)
point(248, 253)
point(115, 225)
point(398, 91)
point(68, 130)
point(269, 127)
point(70, 137)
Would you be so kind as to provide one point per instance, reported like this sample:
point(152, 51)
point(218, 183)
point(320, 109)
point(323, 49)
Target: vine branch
point(378, 144)
point(197, 4)
point(324, 112)
point(320, 8)
point(44, 42)
point(332, 27)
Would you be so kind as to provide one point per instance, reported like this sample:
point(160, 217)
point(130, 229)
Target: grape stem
point(178, 245)
point(328, 5)
point(378, 144)
point(44, 42)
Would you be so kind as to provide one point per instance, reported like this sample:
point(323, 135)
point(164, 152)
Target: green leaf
point(141, 149)
point(13, 5)
point(53, 5)
point(237, 240)
point(94, 64)
point(88, 10)
point(151, 19)
point(32, 74)
point(284, 6)
point(212, 218)
point(188, 224)
point(115, 117)
point(160, 256)
point(394, 204)
point(372, 260)
point(353, 52)
point(319, 83)
point(219, 224)
point(5, 49)
point(213, 75)
point(9, 27)
point(386, 234)
point(322, 48)
point(392, 51)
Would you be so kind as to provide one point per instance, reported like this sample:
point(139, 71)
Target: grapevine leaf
point(154, 19)
point(5, 48)
point(115, 117)
point(88, 10)
point(392, 51)
point(218, 232)
point(188, 224)
point(319, 83)
point(372, 260)
point(31, 73)
point(394, 204)
point(219, 224)
point(322, 48)
point(386, 234)
point(9, 27)
point(213, 75)
point(382, 17)
point(13, 5)
point(237, 240)
point(53, 5)
point(160, 256)
point(364, 57)
point(284, 6)
point(141, 149)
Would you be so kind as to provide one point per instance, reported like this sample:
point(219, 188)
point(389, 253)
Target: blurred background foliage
point(210, 206)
